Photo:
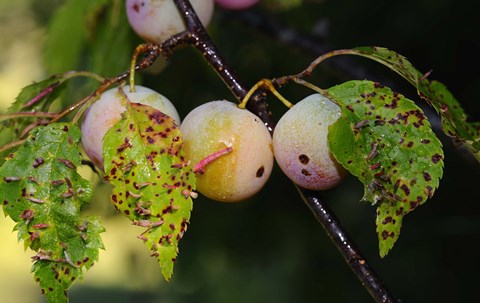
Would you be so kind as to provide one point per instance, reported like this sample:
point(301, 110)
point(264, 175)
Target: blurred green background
point(270, 248)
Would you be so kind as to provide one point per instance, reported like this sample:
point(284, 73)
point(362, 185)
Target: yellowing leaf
point(152, 180)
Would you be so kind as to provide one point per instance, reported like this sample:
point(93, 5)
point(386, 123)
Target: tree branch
point(201, 40)
point(346, 246)
point(258, 105)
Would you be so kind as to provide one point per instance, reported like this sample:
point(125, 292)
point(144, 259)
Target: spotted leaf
point(43, 193)
point(153, 183)
point(386, 141)
point(454, 118)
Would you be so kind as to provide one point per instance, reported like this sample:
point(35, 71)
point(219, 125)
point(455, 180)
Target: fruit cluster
point(232, 150)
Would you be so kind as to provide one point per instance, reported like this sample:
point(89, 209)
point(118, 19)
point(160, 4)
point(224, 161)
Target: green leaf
point(386, 141)
point(112, 41)
point(96, 34)
point(153, 182)
point(69, 30)
point(42, 192)
point(36, 97)
point(454, 119)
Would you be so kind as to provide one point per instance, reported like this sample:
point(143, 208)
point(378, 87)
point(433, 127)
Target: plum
point(157, 20)
point(300, 144)
point(240, 143)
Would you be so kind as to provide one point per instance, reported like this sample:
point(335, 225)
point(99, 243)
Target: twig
point(346, 246)
point(323, 214)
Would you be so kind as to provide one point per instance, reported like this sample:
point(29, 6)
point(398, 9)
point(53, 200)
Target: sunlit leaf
point(42, 192)
point(152, 181)
point(386, 141)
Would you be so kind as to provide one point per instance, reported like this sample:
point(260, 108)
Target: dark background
point(270, 248)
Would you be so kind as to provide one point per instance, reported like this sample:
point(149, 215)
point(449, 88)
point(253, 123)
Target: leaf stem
point(11, 145)
point(9, 116)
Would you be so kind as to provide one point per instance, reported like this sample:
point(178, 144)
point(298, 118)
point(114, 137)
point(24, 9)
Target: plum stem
point(268, 85)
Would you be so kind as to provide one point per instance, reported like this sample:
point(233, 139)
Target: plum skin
point(107, 110)
point(240, 174)
point(300, 144)
point(157, 20)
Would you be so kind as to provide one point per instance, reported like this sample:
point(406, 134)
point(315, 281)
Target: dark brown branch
point(201, 41)
point(257, 105)
point(346, 246)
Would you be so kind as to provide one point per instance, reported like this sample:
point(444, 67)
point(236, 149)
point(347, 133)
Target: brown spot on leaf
point(11, 179)
point(429, 191)
point(157, 117)
point(126, 143)
point(387, 220)
point(427, 176)
point(375, 166)
point(436, 158)
point(386, 235)
point(37, 162)
point(405, 189)
point(67, 163)
point(27, 215)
